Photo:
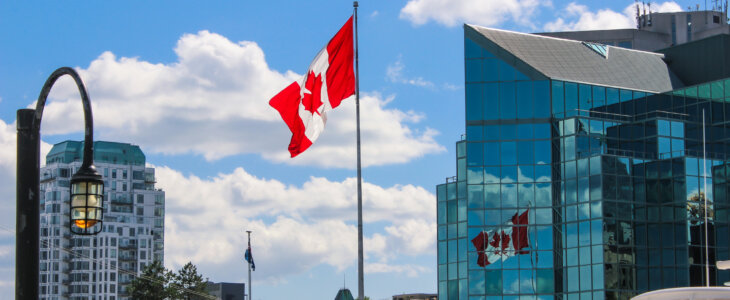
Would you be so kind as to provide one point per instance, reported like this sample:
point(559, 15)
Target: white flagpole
point(360, 273)
point(249, 264)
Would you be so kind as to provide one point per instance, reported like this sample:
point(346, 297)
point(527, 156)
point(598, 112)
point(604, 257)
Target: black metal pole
point(28, 183)
point(27, 203)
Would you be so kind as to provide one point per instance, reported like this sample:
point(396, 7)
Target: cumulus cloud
point(213, 101)
point(481, 12)
point(576, 17)
point(394, 73)
point(295, 227)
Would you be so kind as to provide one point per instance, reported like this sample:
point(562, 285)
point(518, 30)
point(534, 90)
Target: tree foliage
point(158, 283)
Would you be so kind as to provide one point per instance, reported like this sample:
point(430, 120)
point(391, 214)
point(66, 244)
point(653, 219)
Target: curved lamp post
point(86, 188)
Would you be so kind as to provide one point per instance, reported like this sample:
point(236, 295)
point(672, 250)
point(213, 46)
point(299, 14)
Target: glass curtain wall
point(612, 182)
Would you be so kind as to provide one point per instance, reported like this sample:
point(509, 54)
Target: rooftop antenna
point(638, 16)
point(649, 14)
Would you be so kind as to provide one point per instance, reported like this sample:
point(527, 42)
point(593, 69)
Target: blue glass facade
point(612, 179)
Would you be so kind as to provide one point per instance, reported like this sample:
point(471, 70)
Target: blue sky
point(189, 82)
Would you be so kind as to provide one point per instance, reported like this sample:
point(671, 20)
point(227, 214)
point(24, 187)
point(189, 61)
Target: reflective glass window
point(571, 98)
point(524, 131)
point(542, 172)
point(526, 193)
point(543, 194)
point(471, 49)
point(524, 99)
point(476, 217)
point(545, 283)
point(585, 276)
point(541, 102)
point(492, 198)
point(492, 175)
point(461, 169)
point(491, 132)
point(508, 132)
point(474, 133)
point(442, 253)
point(474, 70)
point(612, 96)
point(509, 174)
point(442, 212)
point(475, 154)
point(462, 257)
point(527, 283)
point(474, 101)
point(584, 97)
point(491, 101)
point(525, 152)
point(717, 90)
point(506, 72)
point(491, 154)
point(509, 153)
point(490, 72)
point(509, 195)
point(511, 281)
point(451, 211)
point(677, 129)
point(625, 95)
point(453, 251)
point(461, 210)
point(542, 156)
point(558, 98)
point(451, 191)
point(703, 91)
point(663, 128)
point(507, 108)
point(493, 282)
point(476, 282)
point(599, 96)
point(475, 175)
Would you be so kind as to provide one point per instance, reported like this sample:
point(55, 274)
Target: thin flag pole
point(249, 265)
point(360, 273)
point(704, 178)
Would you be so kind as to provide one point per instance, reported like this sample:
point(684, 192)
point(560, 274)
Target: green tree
point(157, 283)
point(190, 284)
point(152, 284)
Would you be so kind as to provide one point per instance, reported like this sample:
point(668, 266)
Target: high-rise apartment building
point(582, 173)
point(99, 266)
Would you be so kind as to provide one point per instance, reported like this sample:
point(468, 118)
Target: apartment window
point(124, 174)
point(114, 173)
point(140, 199)
point(140, 211)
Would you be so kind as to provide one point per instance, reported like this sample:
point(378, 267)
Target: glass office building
point(603, 148)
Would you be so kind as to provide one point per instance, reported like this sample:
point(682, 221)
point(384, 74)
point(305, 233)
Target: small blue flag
point(249, 258)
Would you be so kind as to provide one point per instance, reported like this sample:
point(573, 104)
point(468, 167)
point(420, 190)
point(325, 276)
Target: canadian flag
point(330, 79)
point(504, 243)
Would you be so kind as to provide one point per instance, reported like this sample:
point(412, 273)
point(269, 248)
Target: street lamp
point(86, 187)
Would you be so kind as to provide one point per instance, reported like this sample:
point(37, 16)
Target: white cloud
point(294, 227)
point(578, 17)
point(394, 73)
point(214, 102)
point(481, 12)
point(374, 14)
